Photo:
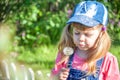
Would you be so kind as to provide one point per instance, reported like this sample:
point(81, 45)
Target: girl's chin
point(83, 48)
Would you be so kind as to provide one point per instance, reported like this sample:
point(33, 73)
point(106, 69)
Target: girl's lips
point(81, 45)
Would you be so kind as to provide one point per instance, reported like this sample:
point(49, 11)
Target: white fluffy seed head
point(68, 51)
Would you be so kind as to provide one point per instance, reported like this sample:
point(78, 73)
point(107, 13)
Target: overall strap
point(98, 67)
point(99, 62)
point(69, 65)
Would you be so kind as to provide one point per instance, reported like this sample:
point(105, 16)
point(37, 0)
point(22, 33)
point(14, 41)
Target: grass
point(42, 58)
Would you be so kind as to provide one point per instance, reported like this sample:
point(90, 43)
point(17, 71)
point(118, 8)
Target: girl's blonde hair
point(98, 51)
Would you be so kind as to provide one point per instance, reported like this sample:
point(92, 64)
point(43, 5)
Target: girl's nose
point(82, 37)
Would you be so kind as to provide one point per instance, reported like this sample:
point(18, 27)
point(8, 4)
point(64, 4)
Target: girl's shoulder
point(110, 57)
point(110, 68)
point(110, 61)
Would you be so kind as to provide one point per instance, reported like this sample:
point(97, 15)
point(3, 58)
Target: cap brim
point(83, 20)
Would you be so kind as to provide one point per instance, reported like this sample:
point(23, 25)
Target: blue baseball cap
point(90, 14)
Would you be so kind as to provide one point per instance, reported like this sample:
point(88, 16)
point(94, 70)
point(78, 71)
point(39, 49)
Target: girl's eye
point(88, 35)
point(77, 33)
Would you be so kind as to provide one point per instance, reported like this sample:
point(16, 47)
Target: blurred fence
point(13, 71)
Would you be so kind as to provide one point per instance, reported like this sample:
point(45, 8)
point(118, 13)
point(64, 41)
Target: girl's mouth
point(81, 45)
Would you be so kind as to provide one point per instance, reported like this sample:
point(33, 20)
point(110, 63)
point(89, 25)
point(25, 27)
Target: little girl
point(83, 48)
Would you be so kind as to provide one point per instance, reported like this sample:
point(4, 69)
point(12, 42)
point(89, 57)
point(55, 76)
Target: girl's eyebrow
point(87, 31)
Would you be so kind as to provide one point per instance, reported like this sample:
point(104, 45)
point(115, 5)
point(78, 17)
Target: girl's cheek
point(90, 43)
point(75, 40)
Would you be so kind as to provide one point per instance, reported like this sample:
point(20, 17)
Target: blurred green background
point(38, 25)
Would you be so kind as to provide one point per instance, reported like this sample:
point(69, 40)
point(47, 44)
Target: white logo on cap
point(89, 11)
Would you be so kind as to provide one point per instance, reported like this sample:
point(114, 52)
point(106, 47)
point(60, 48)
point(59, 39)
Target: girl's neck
point(81, 53)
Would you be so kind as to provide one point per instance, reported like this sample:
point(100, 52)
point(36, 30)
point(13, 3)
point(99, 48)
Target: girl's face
point(84, 39)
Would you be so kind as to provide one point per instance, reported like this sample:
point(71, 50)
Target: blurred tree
point(40, 22)
point(7, 7)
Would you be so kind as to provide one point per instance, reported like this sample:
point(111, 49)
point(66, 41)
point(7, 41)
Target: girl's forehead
point(82, 27)
point(83, 31)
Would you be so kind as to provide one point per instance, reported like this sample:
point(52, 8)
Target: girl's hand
point(63, 74)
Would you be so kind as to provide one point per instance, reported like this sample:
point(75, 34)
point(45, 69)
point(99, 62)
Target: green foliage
point(42, 57)
point(37, 20)
point(114, 19)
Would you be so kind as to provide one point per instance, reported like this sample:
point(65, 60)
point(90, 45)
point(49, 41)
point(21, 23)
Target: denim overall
point(75, 74)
